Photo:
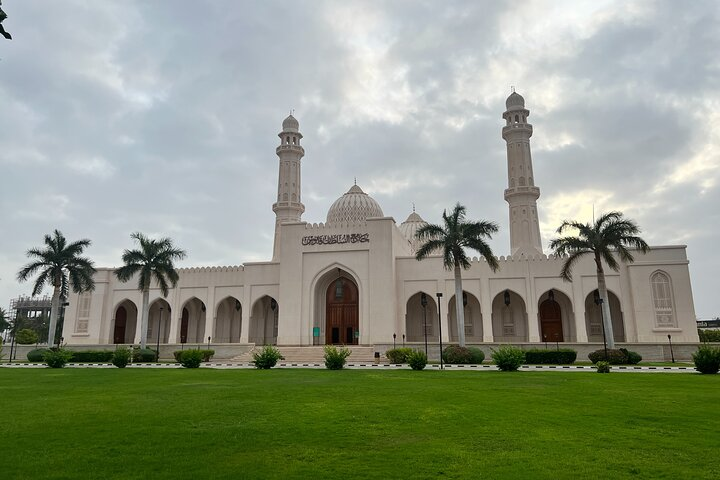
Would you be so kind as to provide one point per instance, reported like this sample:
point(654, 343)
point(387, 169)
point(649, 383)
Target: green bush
point(103, 356)
point(121, 357)
point(709, 335)
point(417, 359)
point(620, 356)
point(398, 355)
point(508, 358)
point(563, 356)
point(191, 358)
point(26, 336)
point(602, 367)
point(37, 355)
point(335, 357)
point(267, 357)
point(57, 357)
point(144, 355)
point(207, 354)
point(478, 356)
point(463, 355)
point(707, 359)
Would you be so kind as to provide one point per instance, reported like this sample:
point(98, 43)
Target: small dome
point(410, 227)
point(290, 124)
point(355, 206)
point(515, 102)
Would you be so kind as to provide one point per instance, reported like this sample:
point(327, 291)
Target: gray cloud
point(162, 117)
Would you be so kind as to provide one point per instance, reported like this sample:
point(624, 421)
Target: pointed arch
point(509, 317)
point(318, 288)
point(228, 320)
point(473, 318)
point(192, 321)
point(264, 321)
point(419, 320)
point(662, 299)
point(124, 322)
point(555, 317)
point(594, 320)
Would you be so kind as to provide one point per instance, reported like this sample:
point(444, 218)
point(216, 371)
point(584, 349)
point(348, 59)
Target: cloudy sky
point(161, 117)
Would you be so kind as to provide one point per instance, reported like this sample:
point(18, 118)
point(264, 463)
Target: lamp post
point(423, 302)
point(403, 340)
point(394, 337)
point(157, 347)
point(672, 355)
point(439, 296)
point(208, 343)
point(599, 302)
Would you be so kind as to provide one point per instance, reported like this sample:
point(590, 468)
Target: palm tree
point(154, 259)
point(61, 266)
point(609, 234)
point(452, 239)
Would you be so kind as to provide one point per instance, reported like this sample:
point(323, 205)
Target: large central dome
point(355, 206)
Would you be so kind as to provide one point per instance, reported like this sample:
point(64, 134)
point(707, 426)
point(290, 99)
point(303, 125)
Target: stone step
point(312, 354)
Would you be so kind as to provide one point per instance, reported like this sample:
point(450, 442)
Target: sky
point(162, 117)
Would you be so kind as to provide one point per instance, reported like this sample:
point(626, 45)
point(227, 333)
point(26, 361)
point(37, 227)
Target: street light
point(672, 355)
point(403, 340)
point(439, 296)
point(157, 348)
point(394, 337)
point(423, 302)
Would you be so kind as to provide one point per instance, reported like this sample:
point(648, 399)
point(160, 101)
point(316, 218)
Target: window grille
point(662, 300)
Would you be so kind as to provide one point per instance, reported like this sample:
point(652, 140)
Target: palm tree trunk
point(54, 307)
point(459, 309)
point(605, 306)
point(144, 318)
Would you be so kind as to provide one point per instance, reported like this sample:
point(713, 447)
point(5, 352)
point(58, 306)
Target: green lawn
point(206, 424)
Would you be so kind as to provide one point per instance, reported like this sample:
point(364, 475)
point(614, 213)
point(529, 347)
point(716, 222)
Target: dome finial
point(355, 180)
point(413, 207)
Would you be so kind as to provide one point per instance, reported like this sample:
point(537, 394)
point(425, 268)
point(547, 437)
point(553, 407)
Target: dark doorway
point(342, 321)
point(184, 325)
point(551, 322)
point(120, 325)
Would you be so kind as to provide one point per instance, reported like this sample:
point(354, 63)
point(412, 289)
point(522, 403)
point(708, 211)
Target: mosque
point(354, 280)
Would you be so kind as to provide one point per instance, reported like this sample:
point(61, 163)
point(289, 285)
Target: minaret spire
point(288, 207)
point(521, 194)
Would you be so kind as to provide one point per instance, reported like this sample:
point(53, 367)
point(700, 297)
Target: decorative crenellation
point(235, 268)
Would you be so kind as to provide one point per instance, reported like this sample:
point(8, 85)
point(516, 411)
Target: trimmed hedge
point(456, 354)
point(417, 360)
point(508, 358)
point(398, 355)
point(121, 357)
point(563, 356)
point(144, 355)
point(206, 354)
point(57, 357)
point(93, 356)
point(26, 336)
point(36, 355)
point(707, 359)
point(191, 358)
point(619, 356)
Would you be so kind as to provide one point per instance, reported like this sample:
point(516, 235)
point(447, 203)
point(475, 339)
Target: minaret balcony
point(524, 191)
point(290, 148)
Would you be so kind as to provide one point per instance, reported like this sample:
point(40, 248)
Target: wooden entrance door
point(551, 322)
point(120, 325)
point(341, 314)
point(184, 325)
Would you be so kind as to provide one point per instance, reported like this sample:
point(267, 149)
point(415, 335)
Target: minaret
point(288, 207)
point(521, 194)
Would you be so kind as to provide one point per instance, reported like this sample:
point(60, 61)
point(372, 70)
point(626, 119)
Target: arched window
point(662, 299)
point(512, 183)
point(522, 181)
point(517, 118)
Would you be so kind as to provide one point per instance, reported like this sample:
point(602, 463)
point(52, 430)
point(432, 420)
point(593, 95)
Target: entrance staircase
point(313, 354)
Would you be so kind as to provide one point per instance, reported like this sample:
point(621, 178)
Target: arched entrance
point(159, 317)
point(555, 317)
point(420, 321)
point(125, 323)
point(473, 318)
point(192, 322)
point(341, 313)
point(228, 321)
point(594, 320)
point(509, 318)
point(264, 318)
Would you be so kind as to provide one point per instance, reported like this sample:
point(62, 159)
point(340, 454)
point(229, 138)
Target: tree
point(3, 16)
point(609, 234)
point(61, 266)
point(154, 259)
point(452, 239)
point(4, 322)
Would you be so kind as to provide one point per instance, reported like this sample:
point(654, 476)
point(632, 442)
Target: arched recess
point(418, 320)
point(593, 318)
point(159, 321)
point(556, 317)
point(124, 323)
point(473, 319)
point(509, 318)
point(319, 307)
point(192, 321)
point(264, 321)
point(228, 320)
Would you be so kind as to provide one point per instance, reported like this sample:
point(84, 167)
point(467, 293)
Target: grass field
point(206, 424)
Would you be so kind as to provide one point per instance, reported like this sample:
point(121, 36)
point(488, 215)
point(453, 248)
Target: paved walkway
point(375, 366)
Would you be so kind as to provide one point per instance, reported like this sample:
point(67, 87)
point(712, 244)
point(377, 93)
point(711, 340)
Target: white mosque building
point(354, 280)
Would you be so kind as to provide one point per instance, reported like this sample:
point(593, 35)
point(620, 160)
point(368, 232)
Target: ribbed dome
point(515, 102)
point(410, 227)
point(290, 124)
point(355, 206)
